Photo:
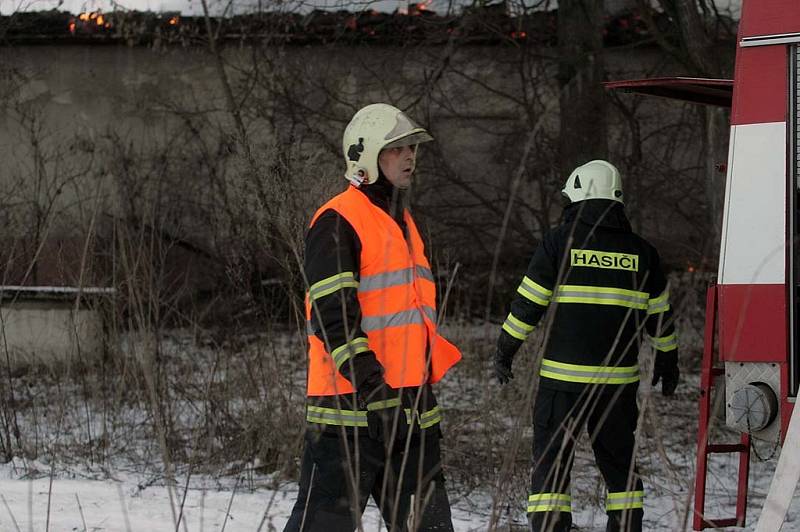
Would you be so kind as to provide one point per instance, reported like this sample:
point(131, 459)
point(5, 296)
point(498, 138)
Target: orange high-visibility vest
point(397, 296)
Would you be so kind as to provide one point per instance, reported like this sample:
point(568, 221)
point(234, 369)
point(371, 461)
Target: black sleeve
point(660, 326)
point(532, 298)
point(332, 263)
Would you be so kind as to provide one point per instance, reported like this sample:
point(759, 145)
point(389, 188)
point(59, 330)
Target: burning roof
point(487, 24)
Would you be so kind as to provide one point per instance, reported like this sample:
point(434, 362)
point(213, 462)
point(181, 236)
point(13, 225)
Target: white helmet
point(374, 128)
point(596, 179)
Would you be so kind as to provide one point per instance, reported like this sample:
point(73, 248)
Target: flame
point(88, 19)
point(416, 9)
point(173, 21)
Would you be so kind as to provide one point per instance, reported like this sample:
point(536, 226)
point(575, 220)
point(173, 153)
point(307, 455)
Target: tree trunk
point(695, 39)
point(580, 74)
point(696, 43)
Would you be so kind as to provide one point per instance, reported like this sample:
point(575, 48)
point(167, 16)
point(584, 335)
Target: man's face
point(397, 164)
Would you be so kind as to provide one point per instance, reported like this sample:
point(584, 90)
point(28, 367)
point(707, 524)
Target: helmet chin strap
point(357, 178)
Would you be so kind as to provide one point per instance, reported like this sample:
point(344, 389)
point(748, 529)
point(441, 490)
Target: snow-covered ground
point(74, 504)
point(124, 504)
point(105, 471)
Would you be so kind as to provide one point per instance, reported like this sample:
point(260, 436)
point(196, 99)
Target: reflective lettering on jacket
point(397, 298)
point(603, 259)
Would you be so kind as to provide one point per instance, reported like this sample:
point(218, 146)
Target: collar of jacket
point(386, 196)
point(600, 212)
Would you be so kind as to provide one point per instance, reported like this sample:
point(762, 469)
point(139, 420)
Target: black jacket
point(333, 247)
point(607, 289)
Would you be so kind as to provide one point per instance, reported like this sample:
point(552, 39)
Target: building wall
point(46, 332)
point(97, 108)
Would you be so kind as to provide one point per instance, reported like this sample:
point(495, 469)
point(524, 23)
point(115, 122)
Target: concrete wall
point(45, 332)
point(100, 110)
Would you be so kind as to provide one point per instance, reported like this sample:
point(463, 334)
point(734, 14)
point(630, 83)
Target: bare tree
point(582, 99)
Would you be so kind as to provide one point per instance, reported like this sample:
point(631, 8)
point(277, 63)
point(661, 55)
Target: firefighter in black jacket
point(374, 349)
point(604, 286)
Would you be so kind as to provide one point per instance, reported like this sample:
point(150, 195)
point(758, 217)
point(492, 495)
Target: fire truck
point(751, 355)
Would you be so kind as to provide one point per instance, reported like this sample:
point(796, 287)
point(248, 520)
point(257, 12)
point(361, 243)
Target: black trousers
point(558, 419)
point(407, 487)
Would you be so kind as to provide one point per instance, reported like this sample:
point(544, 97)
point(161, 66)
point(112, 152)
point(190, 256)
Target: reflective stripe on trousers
point(625, 500)
point(334, 416)
point(358, 418)
point(549, 502)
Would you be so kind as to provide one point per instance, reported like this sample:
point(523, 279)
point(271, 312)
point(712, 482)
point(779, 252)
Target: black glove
point(502, 366)
point(666, 369)
point(386, 416)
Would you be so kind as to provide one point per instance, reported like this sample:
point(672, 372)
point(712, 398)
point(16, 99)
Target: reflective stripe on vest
point(665, 343)
point(561, 371)
point(358, 418)
point(395, 278)
point(659, 304)
point(397, 300)
point(601, 295)
point(406, 317)
point(625, 500)
point(549, 502)
point(516, 327)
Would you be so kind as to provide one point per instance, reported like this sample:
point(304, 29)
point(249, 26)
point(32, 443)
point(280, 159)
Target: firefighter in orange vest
point(603, 286)
point(374, 349)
